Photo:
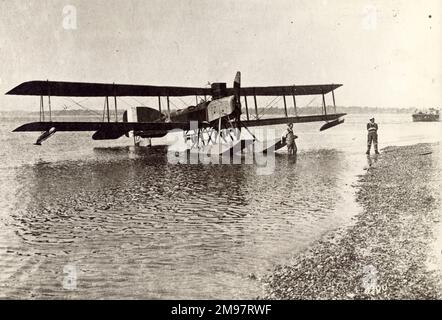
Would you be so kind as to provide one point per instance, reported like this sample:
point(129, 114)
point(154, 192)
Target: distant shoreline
point(385, 253)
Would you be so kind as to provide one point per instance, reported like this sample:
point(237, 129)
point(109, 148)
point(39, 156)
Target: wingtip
point(28, 127)
point(22, 88)
point(10, 91)
point(14, 90)
point(17, 129)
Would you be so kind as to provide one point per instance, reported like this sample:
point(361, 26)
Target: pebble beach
point(391, 250)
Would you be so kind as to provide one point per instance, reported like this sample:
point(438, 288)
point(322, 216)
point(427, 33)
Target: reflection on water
point(372, 159)
point(143, 228)
point(86, 220)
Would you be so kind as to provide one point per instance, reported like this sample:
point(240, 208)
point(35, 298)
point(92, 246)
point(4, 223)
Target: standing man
point(372, 129)
point(290, 137)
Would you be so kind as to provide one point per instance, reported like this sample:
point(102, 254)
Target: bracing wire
point(142, 104)
point(183, 102)
point(269, 105)
point(81, 106)
point(125, 102)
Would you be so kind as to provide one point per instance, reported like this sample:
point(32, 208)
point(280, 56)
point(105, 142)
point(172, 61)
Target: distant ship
point(426, 115)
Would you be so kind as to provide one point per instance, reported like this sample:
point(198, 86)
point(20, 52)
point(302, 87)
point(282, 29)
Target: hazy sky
point(386, 53)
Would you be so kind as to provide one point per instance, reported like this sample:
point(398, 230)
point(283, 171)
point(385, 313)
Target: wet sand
point(392, 250)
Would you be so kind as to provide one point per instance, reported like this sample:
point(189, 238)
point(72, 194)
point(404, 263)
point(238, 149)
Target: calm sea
point(89, 219)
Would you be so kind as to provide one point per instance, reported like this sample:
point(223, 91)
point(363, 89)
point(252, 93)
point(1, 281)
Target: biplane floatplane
point(214, 121)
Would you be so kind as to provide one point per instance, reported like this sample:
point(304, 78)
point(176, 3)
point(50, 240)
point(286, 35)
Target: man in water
point(372, 129)
point(290, 137)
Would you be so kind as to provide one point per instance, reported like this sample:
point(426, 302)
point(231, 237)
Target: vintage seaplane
point(213, 124)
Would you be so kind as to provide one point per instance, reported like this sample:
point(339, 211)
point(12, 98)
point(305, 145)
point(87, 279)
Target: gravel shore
point(388, 251)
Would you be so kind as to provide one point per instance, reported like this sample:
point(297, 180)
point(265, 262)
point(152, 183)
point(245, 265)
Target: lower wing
point(300, 119)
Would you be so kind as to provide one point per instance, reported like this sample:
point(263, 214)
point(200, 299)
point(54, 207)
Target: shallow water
point(125, 223)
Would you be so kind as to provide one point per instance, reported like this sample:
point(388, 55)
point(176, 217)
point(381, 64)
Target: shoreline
point(388, 250)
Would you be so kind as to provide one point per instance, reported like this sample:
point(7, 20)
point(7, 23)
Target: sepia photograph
point(220, 150)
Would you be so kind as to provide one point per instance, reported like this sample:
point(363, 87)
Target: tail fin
point(237, 83)
point(237, 91)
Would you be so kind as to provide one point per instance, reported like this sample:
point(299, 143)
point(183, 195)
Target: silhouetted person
point(372, 129)
point(290, 137)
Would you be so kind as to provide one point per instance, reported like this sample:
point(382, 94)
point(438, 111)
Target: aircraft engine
point(220, 107)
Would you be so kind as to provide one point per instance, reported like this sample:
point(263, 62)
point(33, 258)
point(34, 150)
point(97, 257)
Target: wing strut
point(247, 107)
point(115, 103)
point(285, 106)
point(49, 102)
point(294, 100)
point(107, 109)
point(323, 104)
point(42, 110)
point(256, 107)
point(330, 124)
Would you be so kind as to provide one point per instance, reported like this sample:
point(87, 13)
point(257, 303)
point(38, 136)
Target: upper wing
point(86, 89)
point(287, 90)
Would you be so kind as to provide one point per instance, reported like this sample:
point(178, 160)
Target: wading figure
point(372, 129)
point(290, 137)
